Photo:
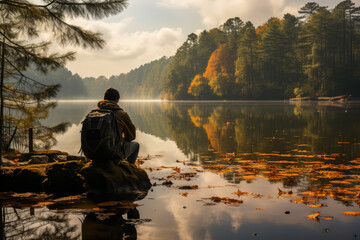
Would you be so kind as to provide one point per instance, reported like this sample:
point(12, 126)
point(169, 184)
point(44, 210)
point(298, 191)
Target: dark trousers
point(131, 151)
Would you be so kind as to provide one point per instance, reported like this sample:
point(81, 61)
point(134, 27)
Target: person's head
point(112, 94)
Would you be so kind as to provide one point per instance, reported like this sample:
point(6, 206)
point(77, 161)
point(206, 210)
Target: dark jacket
point(123, 120)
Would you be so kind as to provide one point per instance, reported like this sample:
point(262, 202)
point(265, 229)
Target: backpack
point(100, 140)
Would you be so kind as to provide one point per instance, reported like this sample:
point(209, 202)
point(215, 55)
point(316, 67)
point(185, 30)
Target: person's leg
point(131, 151)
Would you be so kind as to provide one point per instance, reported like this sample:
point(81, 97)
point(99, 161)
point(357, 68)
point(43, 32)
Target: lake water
point(240, 170)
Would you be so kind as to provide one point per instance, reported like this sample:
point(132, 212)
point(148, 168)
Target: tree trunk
point(2, 99)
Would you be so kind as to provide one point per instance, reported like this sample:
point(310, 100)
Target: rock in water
point(111, 179)
point(64, 178)
point(27, 180)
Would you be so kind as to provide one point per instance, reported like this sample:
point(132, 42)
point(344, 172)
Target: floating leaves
point(316, 216)
point(189, 187)
point(352, 213)
point(239, 193)
point(184, 194)
point(282, 192)
point(228, 201)
point(316, 205)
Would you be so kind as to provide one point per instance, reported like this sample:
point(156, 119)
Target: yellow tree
point(220, 72)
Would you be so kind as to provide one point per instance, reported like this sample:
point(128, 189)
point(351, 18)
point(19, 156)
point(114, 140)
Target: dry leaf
point(313, 216)
point(189, 187)
point(184, 194)
point(228, 201)
point(352, 213)
point(239, 193)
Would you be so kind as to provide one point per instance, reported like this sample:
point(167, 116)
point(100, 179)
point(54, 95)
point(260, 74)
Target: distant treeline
point(316, 54)
point(145, 82)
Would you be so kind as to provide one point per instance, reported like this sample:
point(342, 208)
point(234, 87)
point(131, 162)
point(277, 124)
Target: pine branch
point(70, 34)
point(88, 9)
point(24, 55)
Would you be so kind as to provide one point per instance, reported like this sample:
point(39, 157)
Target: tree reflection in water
point(62, 217)
point(39, 224)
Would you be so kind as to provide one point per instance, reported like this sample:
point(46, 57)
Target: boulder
point(50, 153)
point(64, 178)
point(5, 179)
point(39, 159)
point(112, 179)
point(60, 158)
point(74, 157)
point(27, 180)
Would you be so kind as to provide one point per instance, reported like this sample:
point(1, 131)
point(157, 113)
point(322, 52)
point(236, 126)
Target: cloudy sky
point(149, 29)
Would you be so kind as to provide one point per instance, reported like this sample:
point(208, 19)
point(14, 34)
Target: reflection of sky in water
point(176, 217)
point(149, 145)
point(170, 220)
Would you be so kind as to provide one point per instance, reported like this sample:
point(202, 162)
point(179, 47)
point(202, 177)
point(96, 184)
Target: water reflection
point(30, 223)
point(39, 216)
point(252, 149)
point(111, 227)
point(199, 128)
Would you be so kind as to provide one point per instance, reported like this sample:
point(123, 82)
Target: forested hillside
point(145, 82)
point(316, 54)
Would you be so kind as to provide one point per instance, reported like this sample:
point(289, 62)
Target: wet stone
point(113, 178)
point(63, 178)
point(60, 158)
point(39, 159)
point(74, 157)
point(7, 162)
point(27, 180)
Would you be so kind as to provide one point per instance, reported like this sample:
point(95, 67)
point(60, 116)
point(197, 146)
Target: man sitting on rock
point(124, 123)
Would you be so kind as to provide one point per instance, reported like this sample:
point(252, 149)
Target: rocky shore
point(58, 173)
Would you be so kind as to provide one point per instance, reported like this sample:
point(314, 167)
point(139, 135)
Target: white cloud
point(216, 12)
point(123, 50)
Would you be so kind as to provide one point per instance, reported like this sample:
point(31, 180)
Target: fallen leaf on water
point(314, 216)
point(284, 192)
point(189, 187)
point(228, 201)
point(239, 193)
point(176, 169)
point(256, 195)
point(184, 194)
point(352, 213)
point(316, 205)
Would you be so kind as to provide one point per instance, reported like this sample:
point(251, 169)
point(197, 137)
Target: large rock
point(50, 153)
point(27, 180)
point(74, 157)
point(64, 178)
point(39, 159)
point(112, 179)
point(5, 179)
point(60, 158)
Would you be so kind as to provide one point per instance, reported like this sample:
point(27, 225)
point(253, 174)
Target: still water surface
point(263, 170)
